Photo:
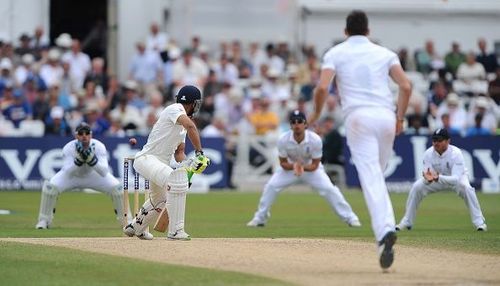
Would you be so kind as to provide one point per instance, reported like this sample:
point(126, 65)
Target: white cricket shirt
point(166, 135)
point(450, 163)
point(310, 148)
point(361, 73)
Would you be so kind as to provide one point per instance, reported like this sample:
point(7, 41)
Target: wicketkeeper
point(85, 166)
point(169, 186)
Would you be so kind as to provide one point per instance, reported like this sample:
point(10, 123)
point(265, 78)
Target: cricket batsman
point(169, 186)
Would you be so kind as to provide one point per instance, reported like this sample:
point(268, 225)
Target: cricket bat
point(161, 224)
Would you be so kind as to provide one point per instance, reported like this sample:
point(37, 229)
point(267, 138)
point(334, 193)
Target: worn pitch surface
point(300, 261)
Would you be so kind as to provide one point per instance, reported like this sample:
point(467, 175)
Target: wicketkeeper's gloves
point(78, 161)
point(80, 157)
point(79, 149)
point(91, 157)
point(92, 160)
point(85, 155)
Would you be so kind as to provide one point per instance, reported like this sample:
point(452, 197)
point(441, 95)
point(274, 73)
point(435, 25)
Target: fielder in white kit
point(361, 70)
point(153, 162)
point(85, 166)
point(300, 152)
point(443, 168)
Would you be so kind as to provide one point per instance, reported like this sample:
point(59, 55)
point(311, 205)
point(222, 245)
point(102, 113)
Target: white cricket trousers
point(463, 188)
point(370, 133)
point(63, 181)
point(157, 172)
point(318, 179)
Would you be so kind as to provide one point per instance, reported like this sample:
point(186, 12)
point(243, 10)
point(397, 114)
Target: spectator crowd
point(247, 87)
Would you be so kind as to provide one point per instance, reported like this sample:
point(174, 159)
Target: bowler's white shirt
point(310, 148)
point(166, 135)
point(450, 163)
point(362, 73)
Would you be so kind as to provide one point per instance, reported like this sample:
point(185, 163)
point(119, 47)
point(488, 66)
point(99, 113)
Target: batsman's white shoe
point(129, 230)
point(145, 236)
point(482, 227)
point(255, 223)
point(403, 226)
point(179, 235)
point(385, 249)
point(354, 223)
point(42, 224)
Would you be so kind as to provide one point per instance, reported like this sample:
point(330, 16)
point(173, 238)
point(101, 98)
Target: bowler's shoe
point(385, 249)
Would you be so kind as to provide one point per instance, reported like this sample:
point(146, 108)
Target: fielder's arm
point(429, 176)
point(285, 164)
point(313, 166)
point(428, 173)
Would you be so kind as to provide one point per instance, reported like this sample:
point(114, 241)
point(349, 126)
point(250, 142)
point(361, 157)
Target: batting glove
point(199, 163)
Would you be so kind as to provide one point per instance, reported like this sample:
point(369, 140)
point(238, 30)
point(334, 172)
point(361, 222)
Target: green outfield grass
point(442, 222)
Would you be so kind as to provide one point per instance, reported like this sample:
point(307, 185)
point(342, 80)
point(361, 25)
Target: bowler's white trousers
point(317, 179)
point(370, 133)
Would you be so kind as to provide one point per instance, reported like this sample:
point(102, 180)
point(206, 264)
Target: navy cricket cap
point(83, 127)
point(188, 94)
point(297, 115)
point(441, 134)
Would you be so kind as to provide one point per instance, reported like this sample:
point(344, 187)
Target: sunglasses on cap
point(83, 132)
point(297, 121)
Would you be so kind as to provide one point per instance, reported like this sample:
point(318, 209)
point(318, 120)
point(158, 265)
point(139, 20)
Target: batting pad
point(176, 199)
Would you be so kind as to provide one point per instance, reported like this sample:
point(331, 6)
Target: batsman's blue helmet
point(190, 94)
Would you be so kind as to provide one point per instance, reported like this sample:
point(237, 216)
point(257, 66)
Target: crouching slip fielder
point(169, 186)
point(85, 166)
point(443, 169)
point(300, 153)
